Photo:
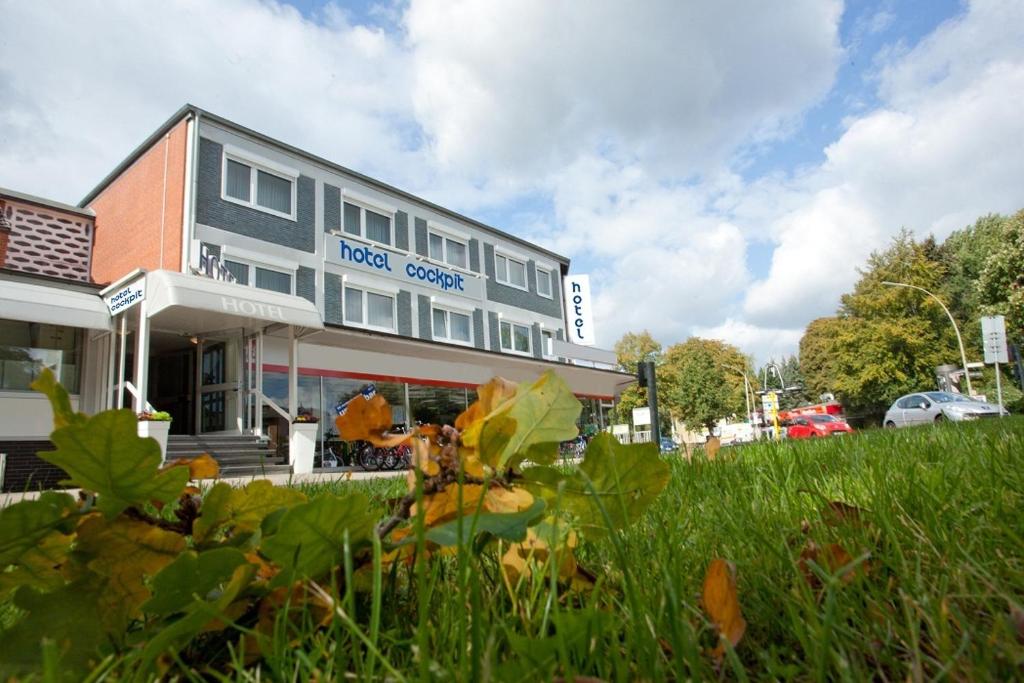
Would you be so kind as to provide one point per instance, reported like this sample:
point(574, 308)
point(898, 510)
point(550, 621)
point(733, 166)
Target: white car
point(935, 406)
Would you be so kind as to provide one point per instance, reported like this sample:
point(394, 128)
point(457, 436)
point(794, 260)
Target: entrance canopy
point(359, 354)
point(53, 305)
point(195, 305)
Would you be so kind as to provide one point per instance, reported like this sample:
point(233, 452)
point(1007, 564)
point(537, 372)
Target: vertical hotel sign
point(578, 310)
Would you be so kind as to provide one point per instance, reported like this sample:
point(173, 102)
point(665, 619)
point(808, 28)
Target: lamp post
point(959, 340)
point(747, 392)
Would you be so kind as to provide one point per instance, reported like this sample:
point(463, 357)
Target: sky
point(720, 168)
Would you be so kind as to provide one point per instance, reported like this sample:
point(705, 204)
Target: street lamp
point(747, 392)
point(959, 340)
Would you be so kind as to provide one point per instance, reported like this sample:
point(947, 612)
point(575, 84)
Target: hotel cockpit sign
point(402, 267)
point(126, 297)
point(578, 310)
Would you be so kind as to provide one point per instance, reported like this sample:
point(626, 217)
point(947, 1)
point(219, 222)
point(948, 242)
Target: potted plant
point(302, 443)
point(156, 424)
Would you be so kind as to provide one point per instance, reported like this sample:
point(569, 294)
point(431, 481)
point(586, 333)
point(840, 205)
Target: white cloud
point(764, 343)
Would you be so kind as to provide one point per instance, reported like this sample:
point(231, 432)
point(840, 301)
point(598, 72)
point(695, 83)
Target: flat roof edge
point(45, 203)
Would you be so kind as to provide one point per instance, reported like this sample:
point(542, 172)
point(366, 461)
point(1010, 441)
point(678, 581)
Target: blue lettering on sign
point(365, 256)
point(436, 276)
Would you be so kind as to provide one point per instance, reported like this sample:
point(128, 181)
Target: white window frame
point(448, 235)
point(551, 282)
point(365, 325)
point(544, 349)
point(257, 163)
point(512, 337)
point(434, 306)
point(364, 204)
point(503, 278)
point(252, 265)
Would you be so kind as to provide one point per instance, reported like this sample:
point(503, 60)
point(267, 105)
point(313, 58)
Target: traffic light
point(641, 373)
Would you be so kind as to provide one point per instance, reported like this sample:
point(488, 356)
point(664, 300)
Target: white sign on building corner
point(126, 297)
point(579, 312)
point(993, 338)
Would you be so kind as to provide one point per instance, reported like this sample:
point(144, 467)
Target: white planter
point(302, 446)
point(156, 430)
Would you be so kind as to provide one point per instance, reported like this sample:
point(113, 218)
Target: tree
point(702, 381)
point(964, 254)
point(1001, 281)
point(817, 354)
point(632, 348)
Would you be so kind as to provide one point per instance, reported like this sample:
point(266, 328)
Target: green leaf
point(623, 480)
point(509, 526)
point(309, 539)
point(242, 510)
point(24, 524)
point(105, 455)
point(531, 424)
point(63, 415)
point(190, 577)
point(67, 617)
point(40, 565)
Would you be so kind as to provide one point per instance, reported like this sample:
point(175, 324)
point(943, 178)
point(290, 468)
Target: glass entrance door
point(213, 394)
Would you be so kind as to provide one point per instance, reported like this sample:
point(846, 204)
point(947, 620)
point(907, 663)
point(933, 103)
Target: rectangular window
point(238, 180)
point(239, 270)
point(449, 250)
point(26, 348)
point(369, 309)
point(544, 282)
point(510, 271)
point(245, 182)
point(367, 223)
point(452, 326)
point(273, 280)
point(515, 337)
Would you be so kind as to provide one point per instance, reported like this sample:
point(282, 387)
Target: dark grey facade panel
point(530, 301)
point(332, 208)
point(405, 313)
point(213, 211)
point(305, 284)
point(478, 328)
point(332, 298)
point(426, 330)
point(474, 255)
point(492, 321)
point(402, 230)
point(421, 237)
point(538, 349)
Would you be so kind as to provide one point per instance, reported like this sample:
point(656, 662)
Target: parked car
point(668, 445)
point(927, 407)
point(809, 426)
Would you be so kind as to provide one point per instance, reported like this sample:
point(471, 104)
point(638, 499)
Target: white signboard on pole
point(993, 337)
point(641, 416)
point(578, 310)
point(126, 297)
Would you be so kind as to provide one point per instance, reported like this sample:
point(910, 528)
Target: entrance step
point(238, 456)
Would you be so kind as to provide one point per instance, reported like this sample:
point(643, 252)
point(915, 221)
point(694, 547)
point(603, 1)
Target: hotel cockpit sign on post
point(578, 310)
point(126, 297)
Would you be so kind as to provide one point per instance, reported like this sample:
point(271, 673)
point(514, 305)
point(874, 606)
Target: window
point(260, 277)
point(452, 326)
point(367, 223)
point(369, 309)
point(509, 271)
point(448, 250)
point(258, 186)
point(547, 338)
point(26, 348)
point(515, 337)
point(544, 282)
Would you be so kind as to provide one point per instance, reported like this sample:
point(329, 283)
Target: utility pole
point(646, 377)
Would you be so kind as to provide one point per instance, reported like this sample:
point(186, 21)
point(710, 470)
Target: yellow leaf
point(722, 604)
point(489, 397)
point(368, 419)
point(202, 467)
point(444, 505)
point(422, 459)
point(501, 499)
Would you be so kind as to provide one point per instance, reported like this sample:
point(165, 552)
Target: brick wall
point(138, 216)
point(25, 471)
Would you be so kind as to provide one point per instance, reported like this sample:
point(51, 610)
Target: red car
point(808, 426)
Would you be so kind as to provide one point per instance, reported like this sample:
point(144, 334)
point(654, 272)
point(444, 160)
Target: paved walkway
point(340, 474)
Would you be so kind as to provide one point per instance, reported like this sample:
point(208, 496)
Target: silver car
point(935, 406)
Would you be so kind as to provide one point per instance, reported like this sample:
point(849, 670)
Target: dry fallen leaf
point(837, 512)
point(368, 419)
point(722, 604)
point(832, 557)
point(201, 467)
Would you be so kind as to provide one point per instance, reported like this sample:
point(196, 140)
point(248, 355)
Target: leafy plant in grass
point(141, 569)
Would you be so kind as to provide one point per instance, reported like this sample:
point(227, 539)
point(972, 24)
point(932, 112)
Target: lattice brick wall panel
point(49, 242)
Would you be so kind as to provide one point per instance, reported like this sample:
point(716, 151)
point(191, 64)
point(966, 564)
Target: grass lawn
point(935, 590)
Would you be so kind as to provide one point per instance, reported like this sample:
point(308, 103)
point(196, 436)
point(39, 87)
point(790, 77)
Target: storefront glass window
point(26, 348)
point(436, 405)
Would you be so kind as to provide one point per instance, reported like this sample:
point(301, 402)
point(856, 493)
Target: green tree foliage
point(1001, 281)
point(632, 348)
point(964, 254)
point(703, 381)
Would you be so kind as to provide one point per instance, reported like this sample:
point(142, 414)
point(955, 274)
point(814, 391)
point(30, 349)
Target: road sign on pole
point(993, 338)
